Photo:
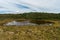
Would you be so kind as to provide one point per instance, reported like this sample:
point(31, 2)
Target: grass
point(37, 32)
point(29, 33)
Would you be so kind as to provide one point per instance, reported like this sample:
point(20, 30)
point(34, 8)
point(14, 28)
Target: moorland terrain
point(30, 32)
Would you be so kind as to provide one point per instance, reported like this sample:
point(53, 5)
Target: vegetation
point(32, 15)
point(30, 32)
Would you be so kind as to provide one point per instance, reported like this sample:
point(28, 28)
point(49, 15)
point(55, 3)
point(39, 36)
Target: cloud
point(29, 6)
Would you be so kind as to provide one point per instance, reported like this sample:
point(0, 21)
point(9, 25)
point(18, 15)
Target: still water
point(16, 23)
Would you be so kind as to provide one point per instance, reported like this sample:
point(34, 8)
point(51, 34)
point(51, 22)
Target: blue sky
point(13, 6)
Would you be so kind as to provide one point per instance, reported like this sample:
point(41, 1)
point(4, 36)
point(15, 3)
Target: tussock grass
point(37, 32)
point(29, 33)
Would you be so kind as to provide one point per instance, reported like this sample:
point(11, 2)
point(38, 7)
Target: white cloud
point(29, 5)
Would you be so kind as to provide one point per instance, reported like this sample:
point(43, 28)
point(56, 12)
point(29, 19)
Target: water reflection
point(19, 23)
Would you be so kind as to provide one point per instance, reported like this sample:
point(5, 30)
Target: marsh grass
point(36, 32)
point(29, 33)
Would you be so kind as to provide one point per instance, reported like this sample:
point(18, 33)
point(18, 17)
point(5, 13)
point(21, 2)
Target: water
point(15, 23)
point(23, 23)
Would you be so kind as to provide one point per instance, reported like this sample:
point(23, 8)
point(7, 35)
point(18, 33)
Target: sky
point(21, 6)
